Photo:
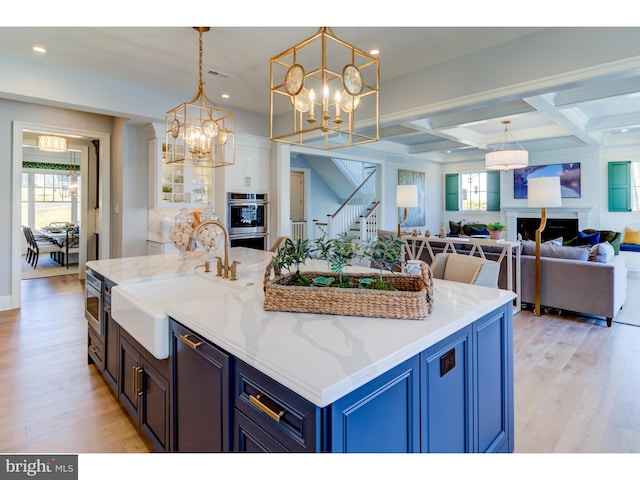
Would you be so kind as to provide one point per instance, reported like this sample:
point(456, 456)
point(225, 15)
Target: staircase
point(358, 214)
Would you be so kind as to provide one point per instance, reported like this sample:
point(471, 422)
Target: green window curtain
point(493, 191)
point(620, 186)
point(451, 185)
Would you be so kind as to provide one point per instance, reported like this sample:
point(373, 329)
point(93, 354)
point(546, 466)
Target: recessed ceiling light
point(375, 51)
point(39, 49)
point(448, 151)
point(225, 95)
point(624, 130)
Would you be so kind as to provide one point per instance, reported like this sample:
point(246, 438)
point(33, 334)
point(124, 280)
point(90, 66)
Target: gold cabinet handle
point(108, 310)
point(256, 401)
point(192, 344)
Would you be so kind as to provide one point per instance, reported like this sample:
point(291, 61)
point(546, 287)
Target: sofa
point(569, 280)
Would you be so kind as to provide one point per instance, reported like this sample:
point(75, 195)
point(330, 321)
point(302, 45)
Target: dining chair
point(71, 244)
point(35, 248)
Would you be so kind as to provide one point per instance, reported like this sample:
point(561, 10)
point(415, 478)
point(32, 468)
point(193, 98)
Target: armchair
point(465, 269)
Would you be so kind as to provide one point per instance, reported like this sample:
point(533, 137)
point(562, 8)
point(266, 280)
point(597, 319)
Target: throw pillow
point(455, 227)
point(631, 236)
point(588, 239)
point(570, 253)
point(556, 242)
point(601, 252)
point(479, 231)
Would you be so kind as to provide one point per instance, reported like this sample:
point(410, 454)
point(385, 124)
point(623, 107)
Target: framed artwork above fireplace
point(569, 174)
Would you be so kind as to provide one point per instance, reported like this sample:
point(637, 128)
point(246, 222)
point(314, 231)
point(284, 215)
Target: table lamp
point(544, 192)
point(406, 196)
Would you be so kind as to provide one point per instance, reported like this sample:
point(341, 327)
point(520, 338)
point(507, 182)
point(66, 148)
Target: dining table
point(56, 235)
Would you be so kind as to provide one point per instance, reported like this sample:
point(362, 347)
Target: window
point(477, 191)
point(46, 198)
point(473, 191)
point(480, 191)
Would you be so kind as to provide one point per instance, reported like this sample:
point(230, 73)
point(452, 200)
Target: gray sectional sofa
point(583, 286)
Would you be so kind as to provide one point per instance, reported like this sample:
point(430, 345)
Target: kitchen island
point(350, 383)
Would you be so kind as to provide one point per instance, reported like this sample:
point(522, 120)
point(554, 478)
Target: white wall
point(594, 190)
point(322, 199)
point(11, 111)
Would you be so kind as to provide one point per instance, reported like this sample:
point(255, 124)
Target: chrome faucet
point(223, 267)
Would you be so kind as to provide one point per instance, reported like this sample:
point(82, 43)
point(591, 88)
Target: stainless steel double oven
point(247, 219)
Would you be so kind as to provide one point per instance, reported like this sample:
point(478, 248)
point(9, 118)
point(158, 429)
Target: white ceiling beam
point(442, 145)
point(616, 88)
point(482, 114)
point(571, 121)
point(614, 122)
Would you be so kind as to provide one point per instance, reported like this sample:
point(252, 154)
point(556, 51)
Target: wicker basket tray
point(412, 299)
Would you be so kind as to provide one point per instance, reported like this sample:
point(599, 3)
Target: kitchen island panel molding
point(340, 378)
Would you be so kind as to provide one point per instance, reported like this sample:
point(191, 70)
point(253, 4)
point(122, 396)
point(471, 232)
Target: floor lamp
point(406, 197)
point(544, 192)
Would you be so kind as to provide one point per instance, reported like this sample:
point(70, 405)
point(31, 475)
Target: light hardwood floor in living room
point(577, 382)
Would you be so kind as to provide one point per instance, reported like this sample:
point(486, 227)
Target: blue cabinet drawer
point(250, 438)
point(283, 414)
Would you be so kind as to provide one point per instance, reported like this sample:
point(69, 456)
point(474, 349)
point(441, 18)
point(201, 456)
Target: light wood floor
point(51, 400)
point(577, 382)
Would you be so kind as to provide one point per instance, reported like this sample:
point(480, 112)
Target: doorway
point(54, 199)
point(297, 207)
point(95, 185)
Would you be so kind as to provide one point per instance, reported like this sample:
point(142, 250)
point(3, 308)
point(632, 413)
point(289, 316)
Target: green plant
point(166, 188)
point(387, 253)
point(322, 248)
point(293, 253)
point(337, 252)
point(495, 227)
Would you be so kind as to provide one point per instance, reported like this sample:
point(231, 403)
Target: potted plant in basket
point(496, 230)
point(337, 252)
point(293, 253)
point(386, 253)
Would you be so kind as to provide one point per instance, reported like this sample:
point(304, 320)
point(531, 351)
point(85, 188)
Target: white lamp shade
point(407, 196)
point(506, 159)
point(544, 192)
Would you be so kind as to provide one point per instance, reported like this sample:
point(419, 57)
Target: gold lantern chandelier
point(504, 158)
point(200, 133)
point(323, 85)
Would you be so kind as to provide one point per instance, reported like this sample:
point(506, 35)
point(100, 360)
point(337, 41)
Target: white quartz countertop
point(320, 357)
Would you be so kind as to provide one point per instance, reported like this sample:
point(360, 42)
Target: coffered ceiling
point(603, 110)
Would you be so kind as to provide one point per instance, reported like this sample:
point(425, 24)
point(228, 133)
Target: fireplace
point(567, 228)
point(578, 216)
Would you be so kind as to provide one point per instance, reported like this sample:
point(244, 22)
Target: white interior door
point(297, 196)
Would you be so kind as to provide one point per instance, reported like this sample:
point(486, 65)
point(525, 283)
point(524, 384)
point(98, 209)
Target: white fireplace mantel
point(513, 213)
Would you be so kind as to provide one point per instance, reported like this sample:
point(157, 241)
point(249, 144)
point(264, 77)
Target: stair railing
point(369, 223)
point(351, 209)
point(298, 230)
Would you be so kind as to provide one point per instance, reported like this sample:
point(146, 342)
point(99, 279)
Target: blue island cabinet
point(456, 396)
